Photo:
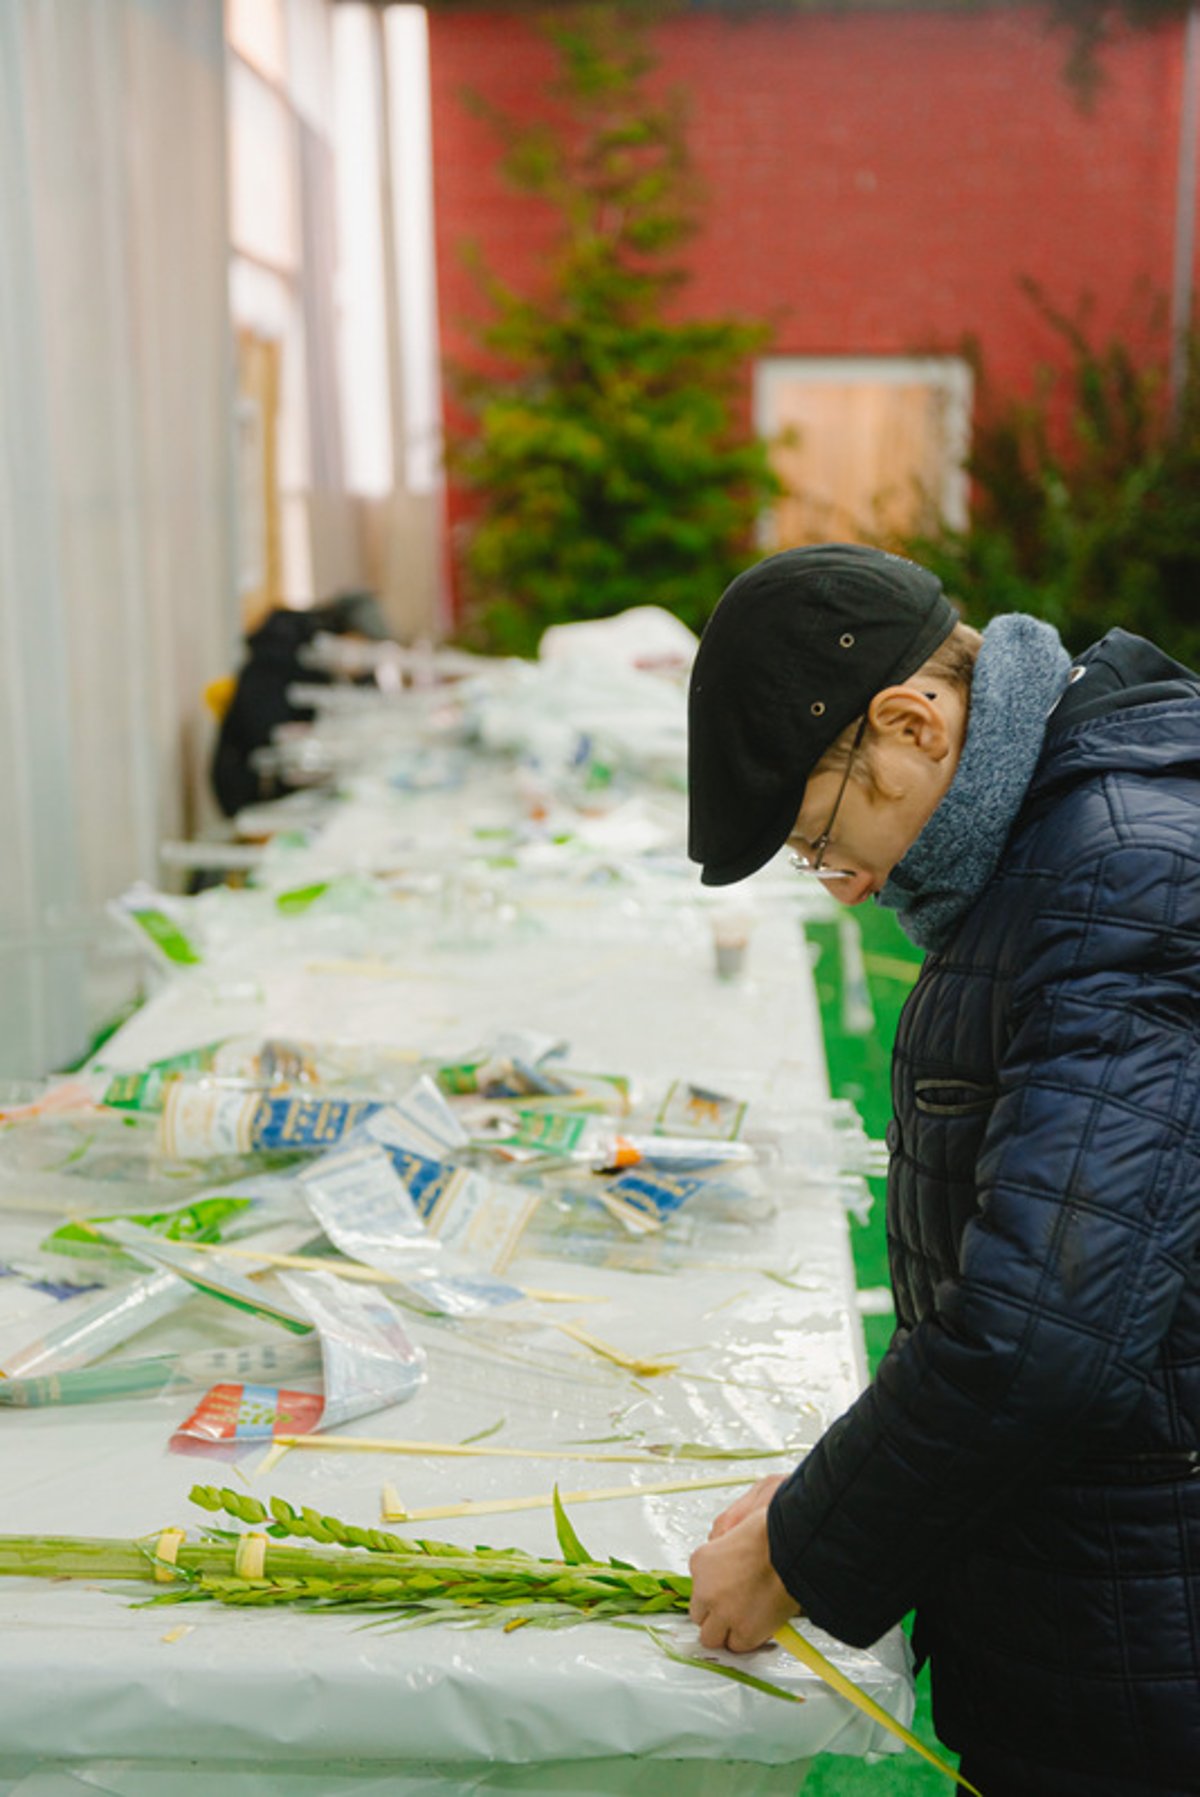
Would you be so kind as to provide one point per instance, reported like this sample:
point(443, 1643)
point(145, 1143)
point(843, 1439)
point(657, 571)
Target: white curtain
point(117, 600)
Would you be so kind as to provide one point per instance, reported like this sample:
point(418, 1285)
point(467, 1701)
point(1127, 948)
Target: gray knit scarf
point(1019, 675)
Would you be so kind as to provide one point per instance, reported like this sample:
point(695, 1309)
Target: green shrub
point(1086, 507)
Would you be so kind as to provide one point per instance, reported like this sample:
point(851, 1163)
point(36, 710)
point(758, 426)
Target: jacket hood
point(1127, 706)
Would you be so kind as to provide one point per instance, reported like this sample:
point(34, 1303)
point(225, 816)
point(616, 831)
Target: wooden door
point(868, 454)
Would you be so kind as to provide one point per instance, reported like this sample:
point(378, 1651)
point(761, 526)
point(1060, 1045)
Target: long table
point(97, 1694)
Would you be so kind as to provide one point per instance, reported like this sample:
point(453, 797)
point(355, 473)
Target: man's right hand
point(757, 1498)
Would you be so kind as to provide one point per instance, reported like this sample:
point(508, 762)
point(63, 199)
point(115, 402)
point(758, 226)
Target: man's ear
point(902, 714)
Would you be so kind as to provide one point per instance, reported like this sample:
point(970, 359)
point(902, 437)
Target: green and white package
point(160, 923)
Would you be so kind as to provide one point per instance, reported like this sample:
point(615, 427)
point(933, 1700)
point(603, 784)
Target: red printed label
point(250, 1413)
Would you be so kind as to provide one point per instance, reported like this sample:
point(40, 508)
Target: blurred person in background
point(276, 660)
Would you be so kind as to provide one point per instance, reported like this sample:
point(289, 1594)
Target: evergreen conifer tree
point(607, 454)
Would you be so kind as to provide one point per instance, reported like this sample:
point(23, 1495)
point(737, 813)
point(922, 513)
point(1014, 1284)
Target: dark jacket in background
point(1025, 1466)
point(260, 703)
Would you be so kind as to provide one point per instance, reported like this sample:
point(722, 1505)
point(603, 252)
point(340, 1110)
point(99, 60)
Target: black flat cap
point(795, 651)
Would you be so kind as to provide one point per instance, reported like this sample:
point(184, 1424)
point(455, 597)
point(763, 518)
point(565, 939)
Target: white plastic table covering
point(90, 1686)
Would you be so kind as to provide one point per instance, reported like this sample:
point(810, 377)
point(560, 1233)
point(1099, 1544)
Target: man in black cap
point(1024, 1468)
point(794, 652)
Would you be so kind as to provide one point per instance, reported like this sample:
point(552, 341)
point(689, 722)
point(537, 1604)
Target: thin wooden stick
point(645, 1369)
point(373, 1444)
point(392, 1510)
point(313, 1263)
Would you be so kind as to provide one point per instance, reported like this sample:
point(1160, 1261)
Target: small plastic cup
point(731, 939)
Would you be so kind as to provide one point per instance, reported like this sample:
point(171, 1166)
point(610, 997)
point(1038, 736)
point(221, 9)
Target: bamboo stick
point(315, 1263)
point(375, 1444)
point(644, 1368)
point(392, 1510)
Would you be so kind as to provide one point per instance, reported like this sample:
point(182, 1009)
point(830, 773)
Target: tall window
point(281, 273)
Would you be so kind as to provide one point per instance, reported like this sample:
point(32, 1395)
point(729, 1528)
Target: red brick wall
point(877, 183)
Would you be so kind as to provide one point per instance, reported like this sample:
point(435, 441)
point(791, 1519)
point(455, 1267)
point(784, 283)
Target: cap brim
point(753, 855)
point(767, 836)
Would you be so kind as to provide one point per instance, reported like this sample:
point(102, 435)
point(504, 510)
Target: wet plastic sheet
point(242, 1689)
point(83, 1672)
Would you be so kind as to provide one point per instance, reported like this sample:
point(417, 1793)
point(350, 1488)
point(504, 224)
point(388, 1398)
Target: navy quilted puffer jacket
point(1025, 1466)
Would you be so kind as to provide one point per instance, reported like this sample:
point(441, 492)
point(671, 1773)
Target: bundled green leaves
point(352, 1566)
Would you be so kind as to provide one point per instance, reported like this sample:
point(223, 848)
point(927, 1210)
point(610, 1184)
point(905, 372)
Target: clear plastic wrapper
point(346, 1068)
point(372, 1068)
point(94, 1328)
point(59, 1154)
point(144, 1090)
point(602, 1182)
point(207, 1274)
point(232, 1211)
point(91, 1160)
point(162, 926)
point(147, 1375)
point(208, 1117)
point(421, 1122)
point(648, 1221)
point(45, 1302)
point(366, 1210)
point(594, 1142)
point(23, 1101)
point(369, 1361)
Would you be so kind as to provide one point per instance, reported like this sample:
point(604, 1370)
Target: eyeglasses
point(815, 863)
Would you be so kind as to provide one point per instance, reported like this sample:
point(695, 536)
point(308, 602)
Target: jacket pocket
point(953, 1097)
